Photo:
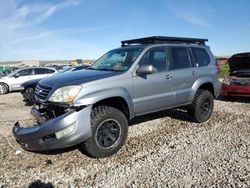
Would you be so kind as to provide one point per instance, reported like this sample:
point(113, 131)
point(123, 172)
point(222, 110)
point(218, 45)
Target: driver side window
point(26, 72)
point(157, 57)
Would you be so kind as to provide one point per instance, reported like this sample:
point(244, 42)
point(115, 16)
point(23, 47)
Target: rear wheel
point(202, 107)
point(3, 89)
point(109, 131)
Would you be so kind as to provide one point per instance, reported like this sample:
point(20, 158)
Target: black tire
point(29, 95)
point(202, 107)
point(109, 132)
point(3, 88)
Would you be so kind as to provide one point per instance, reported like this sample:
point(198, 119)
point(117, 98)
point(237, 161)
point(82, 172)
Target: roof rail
point(163, 39)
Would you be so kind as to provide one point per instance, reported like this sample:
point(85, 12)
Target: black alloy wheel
point(108, 133)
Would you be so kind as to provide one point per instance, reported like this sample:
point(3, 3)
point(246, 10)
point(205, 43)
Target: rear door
point(184, 74)
point(153, 92)
point(201, 60)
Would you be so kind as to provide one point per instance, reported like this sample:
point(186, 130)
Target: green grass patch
point(224, 71)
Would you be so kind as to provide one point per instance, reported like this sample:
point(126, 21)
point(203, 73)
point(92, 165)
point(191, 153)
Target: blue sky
point(70, 29)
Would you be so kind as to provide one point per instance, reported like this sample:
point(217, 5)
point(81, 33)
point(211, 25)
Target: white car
point(14, 80)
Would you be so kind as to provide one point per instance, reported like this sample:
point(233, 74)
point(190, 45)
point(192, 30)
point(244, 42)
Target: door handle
point(194, 73)
point(168, 76)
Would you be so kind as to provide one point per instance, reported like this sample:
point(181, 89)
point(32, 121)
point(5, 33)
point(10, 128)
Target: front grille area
point(241, 82)
point(42, 91)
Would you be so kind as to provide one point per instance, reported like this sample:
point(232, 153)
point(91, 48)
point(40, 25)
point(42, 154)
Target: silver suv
point(92, 108)
point(14, 80)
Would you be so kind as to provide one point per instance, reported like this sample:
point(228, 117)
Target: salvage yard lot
point(162, 149)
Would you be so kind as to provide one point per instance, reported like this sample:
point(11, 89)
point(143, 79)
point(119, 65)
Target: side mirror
point(144, 70)
point(16, 75)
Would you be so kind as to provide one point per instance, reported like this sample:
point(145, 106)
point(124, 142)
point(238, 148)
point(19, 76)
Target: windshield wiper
point(104, 69)
point(109, 69)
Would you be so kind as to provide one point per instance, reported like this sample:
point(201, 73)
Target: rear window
point(201, 56)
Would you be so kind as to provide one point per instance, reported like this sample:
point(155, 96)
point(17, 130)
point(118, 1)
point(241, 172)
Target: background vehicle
point(6, 70)
point(91, 108)
point(29, 86)
point(14, 80)
point(238, 81)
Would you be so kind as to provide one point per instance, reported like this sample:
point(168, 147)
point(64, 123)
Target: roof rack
point(162, 39)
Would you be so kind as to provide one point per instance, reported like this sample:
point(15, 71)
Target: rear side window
point(43, 71)
point(201, 56)
point(180, 58)
point(49, 71)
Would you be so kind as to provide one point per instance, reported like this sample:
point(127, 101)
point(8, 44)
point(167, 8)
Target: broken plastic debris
point(18, 152)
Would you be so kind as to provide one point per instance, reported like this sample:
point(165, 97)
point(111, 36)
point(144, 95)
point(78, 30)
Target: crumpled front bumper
point(43, 137)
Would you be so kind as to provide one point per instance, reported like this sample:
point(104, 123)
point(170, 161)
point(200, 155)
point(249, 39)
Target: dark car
point(29, 86)
point(238, 81)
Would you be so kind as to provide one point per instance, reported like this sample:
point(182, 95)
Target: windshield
point(117, 60)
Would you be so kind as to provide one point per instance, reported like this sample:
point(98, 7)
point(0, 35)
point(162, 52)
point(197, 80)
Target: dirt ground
point(162, 149)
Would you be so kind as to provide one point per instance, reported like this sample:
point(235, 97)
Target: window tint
point(156, 57)
point(180, 58)
point(40, 71)
point(43, 71)
point(25, 72)
point(49, 71)
point(200, 56)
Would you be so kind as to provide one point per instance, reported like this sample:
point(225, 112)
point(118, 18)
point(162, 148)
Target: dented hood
point(239, 62)
point(77, 77)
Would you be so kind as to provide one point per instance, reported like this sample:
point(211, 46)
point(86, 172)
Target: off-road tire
point(196, 109)
point(4, 88)
point(99, 116)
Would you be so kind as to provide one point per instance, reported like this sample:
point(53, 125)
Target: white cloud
point(190, 15)
point(18, 16)
point(21, 35)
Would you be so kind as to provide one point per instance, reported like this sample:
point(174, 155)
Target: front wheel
point(3, 89)
point(202, 107)
point(109, 131)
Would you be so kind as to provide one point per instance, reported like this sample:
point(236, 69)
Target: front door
point(153, 92)
point(20, 77)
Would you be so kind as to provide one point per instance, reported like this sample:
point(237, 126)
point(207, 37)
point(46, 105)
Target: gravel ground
point(162, 149)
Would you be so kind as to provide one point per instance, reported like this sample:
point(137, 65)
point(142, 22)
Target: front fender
point(96, 96)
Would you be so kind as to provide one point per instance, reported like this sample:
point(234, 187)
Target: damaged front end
point(58, 126)
point(238, 81)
